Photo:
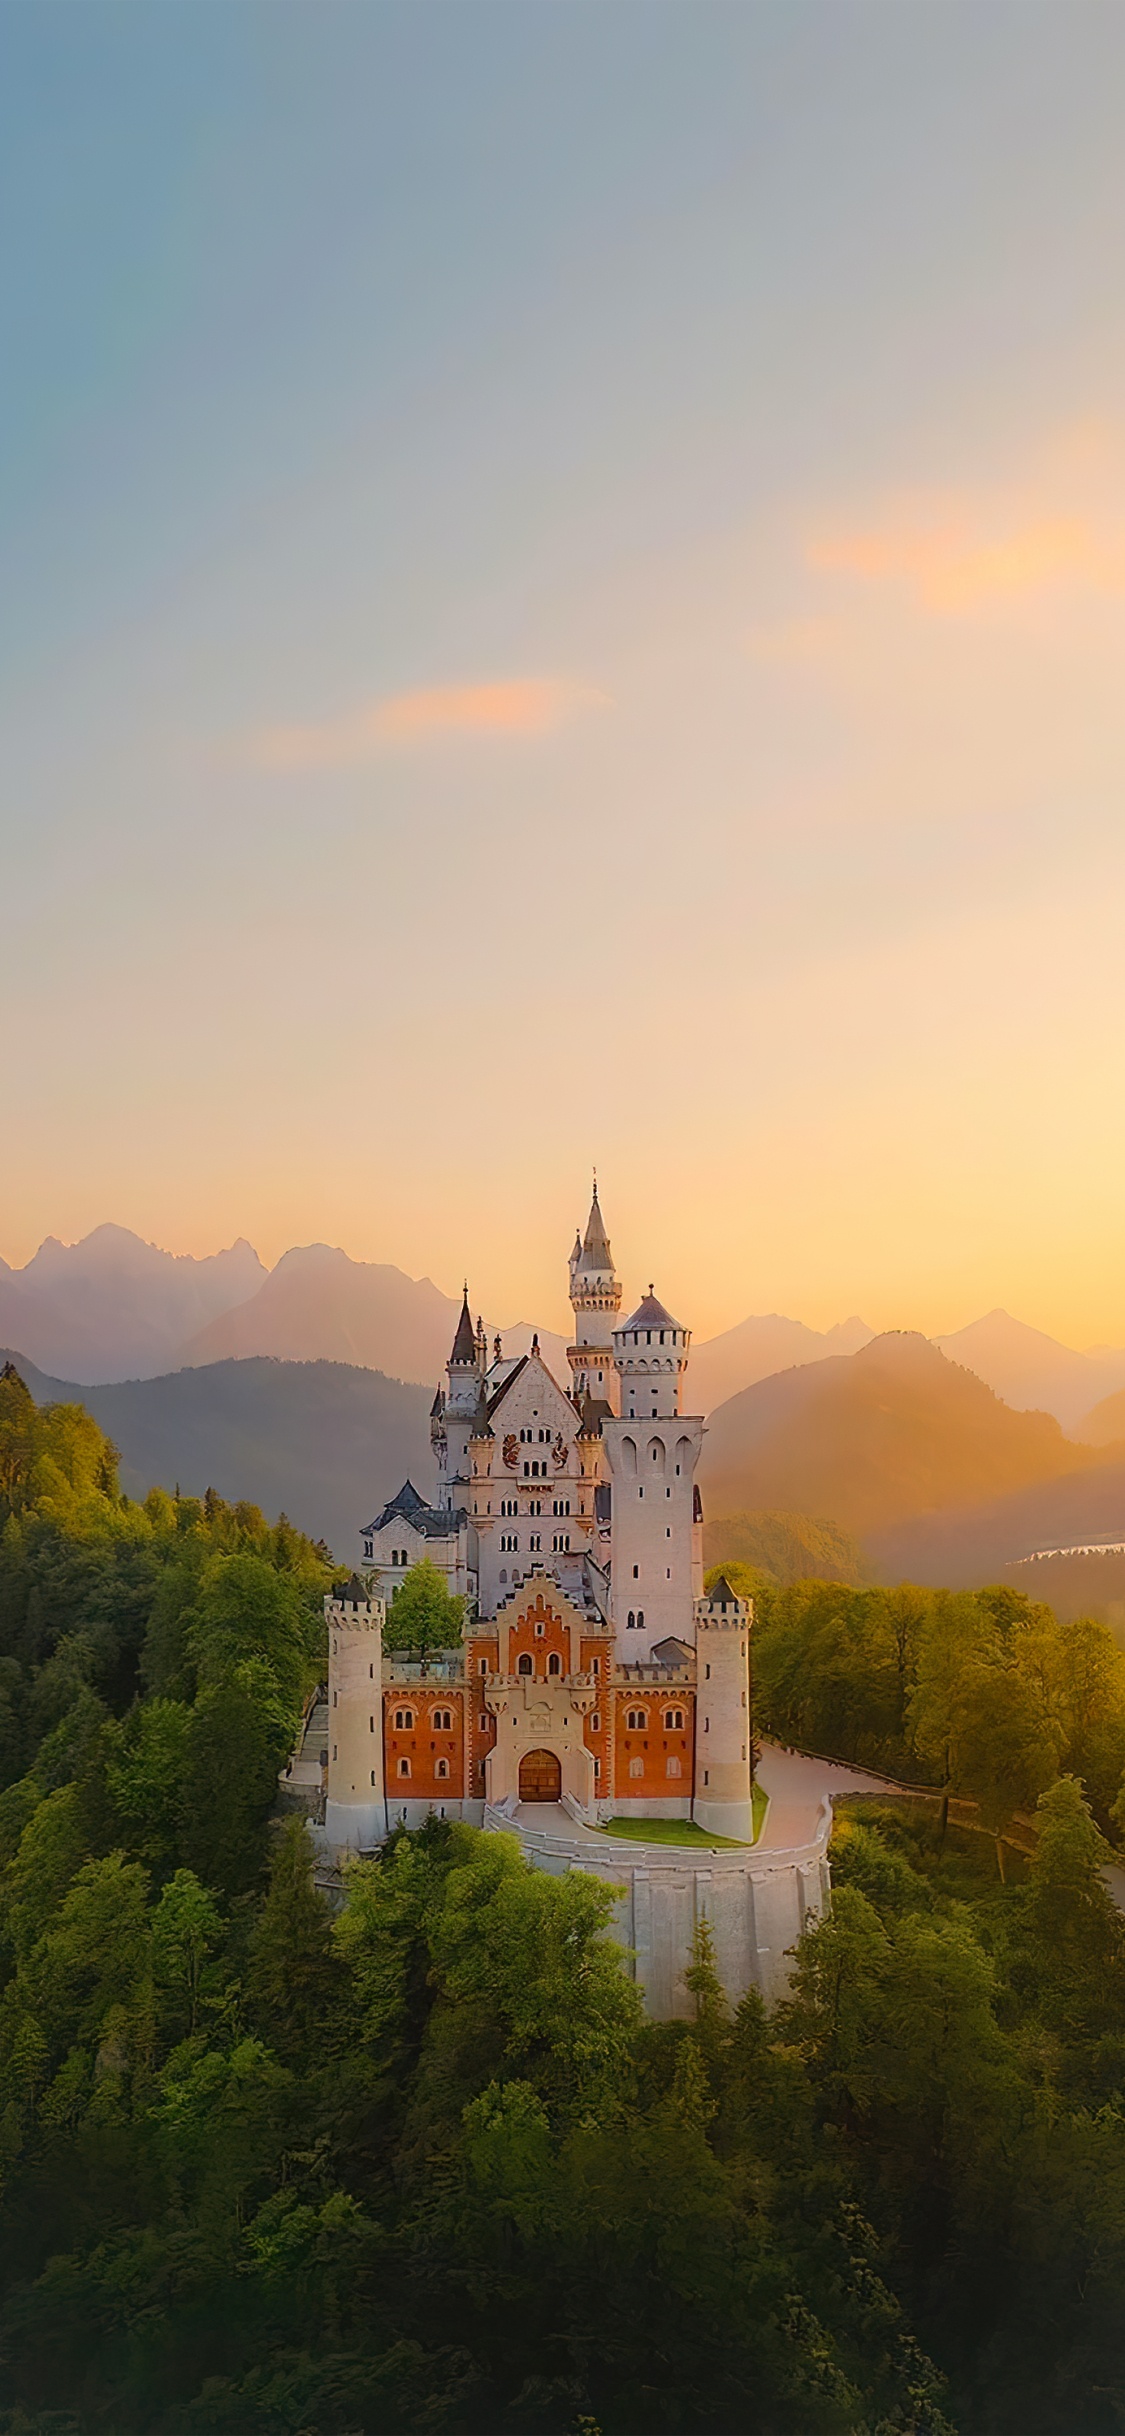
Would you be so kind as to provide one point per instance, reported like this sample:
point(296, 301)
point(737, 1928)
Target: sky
point(563, 603)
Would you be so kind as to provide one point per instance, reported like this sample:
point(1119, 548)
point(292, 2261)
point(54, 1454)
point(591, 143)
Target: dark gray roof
point(434, 1522)
point(596, 1253)
point(482, 1426)
point(464, 1343)
point(499, 1393)
point(650, 1314)
point(721, 1594)
point(354, 1593)
point(672, 1652)
point(595, 1410)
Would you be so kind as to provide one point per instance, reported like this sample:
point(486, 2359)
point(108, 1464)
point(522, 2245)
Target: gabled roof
point(595, 1410)
point(464, 1343)
point(672, 1652)
point(499, 1393)
point(354, 1593)
point(482, 1426)
point(650, 1314)
point(721, 1594)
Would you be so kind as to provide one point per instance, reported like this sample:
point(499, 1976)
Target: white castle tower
point(723, 1802)
point(464, 1371)
point(595, 1299)
point(356, 1812)
point(652, 1450)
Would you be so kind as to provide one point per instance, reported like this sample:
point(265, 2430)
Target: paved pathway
point(797, 1787)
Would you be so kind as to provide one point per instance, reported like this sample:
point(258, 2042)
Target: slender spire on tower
point(595, 1252)
point(464, 1343)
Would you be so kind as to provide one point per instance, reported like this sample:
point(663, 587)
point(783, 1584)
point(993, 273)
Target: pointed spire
point(464, 1343)
point(596, 1253)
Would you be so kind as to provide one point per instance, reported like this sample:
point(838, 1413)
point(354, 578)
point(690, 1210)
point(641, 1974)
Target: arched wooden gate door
point(540, 1777)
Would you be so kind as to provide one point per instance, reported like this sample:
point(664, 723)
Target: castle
point(593, 1674)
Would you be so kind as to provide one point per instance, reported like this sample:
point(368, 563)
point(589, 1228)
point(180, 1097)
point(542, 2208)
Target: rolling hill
point(970, 1543)
point(723, 1365)
point(322, 1442)
point(1033, 1372)
point(873, 1438)
point(320, 1305)
point(1105, 1425)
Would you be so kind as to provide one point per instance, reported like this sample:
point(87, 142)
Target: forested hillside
point(876, 1438)
point(326, 1442)
point(418, 2165)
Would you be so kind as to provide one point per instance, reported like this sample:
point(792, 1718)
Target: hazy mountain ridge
point(723, 1365)
point(322, 1442)
point(114, 1307)
point(867, 1439)
point(319, 1305)
point(1034, 1372)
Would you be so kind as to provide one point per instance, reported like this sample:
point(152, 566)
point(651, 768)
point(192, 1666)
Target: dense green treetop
point(412, 2161)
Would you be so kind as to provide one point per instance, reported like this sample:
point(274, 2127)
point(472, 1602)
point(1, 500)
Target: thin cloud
point(792, 642)
point(522, 706)
point(952, 565)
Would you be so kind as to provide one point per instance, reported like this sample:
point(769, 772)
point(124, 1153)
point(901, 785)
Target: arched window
point(404, 1767)
point(404, 1719)
point(443, 1721)
point(632, 1623)
point(554, 1663)
point(524, 1667)
point(673, 1721)
point(673, 1766)
point(636, 1720)
point(636, 1767)
point(442, 1768)
point(640, 1618)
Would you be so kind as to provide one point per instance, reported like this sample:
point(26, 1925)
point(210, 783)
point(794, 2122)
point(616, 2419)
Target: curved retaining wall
point(757, 1902)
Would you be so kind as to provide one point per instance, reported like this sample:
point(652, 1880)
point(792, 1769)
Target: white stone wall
point(722, 1719)
point(355, 1814)
point(512, 1504)
point(652, 1466)
point(757, 1907)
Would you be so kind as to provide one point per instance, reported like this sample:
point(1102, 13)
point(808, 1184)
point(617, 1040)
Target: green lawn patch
point(684, 1831)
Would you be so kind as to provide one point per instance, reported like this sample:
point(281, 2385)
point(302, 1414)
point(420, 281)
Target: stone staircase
point(301, 1783)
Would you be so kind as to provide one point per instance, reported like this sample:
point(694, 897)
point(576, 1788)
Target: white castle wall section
point(757, 1906)
point(355, 1814)
point(538, 1407)
point(652, 1471)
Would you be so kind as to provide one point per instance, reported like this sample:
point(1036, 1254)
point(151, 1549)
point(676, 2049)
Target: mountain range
point(112, 1307)
point(324, 1442)
point(905, 1451)
point(872, 1438)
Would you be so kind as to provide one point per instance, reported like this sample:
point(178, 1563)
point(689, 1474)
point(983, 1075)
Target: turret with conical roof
point(464, 1372)
point(595, 1298)
point(464, 1343)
